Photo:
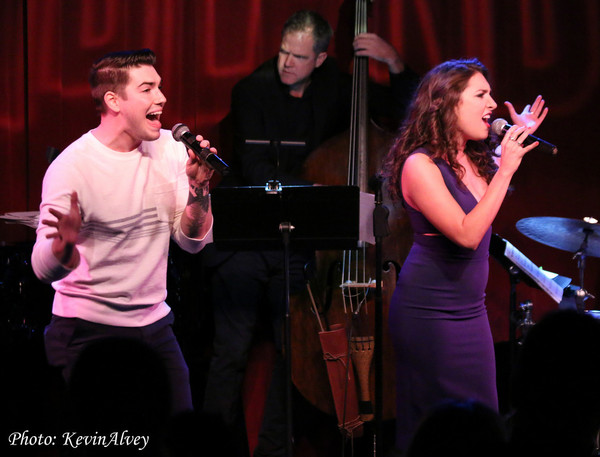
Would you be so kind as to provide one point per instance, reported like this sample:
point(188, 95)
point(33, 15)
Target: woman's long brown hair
point(432, 123)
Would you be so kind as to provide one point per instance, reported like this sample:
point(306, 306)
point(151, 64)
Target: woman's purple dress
point(438, 321)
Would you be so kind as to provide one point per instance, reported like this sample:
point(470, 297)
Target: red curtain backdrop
point(204, 47)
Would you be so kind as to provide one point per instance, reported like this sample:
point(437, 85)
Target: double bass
point(339, 300)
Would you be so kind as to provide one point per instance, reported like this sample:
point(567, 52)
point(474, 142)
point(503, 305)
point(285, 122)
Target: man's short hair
point(111, 72)
point(306, 20)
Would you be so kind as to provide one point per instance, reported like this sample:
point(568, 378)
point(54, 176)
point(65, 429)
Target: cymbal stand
point(581, 295)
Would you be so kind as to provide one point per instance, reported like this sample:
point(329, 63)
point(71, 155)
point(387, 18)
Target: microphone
point(182, 133)
point(500, 127)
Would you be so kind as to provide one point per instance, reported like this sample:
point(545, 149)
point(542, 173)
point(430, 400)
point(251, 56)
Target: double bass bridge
point(355, 294)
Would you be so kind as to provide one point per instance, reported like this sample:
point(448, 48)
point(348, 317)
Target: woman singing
point(443, 168)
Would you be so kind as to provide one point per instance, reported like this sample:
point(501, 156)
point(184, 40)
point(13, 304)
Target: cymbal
point(561, 233)
point(28, 218)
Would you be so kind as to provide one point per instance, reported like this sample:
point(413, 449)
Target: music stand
point(249, 218)
point(281, 218)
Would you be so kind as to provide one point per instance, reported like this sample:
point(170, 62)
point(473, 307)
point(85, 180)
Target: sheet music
point(365, 227)
point(538, 275)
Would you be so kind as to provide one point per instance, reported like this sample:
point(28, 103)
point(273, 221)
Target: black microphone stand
point(380, 230)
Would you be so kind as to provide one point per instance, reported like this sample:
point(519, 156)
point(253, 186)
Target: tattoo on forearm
point(197, 208)
point(200, 190)
point(200, 195)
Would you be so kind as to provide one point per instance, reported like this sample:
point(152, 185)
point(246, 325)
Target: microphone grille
point(178, 130)
point(498, 126)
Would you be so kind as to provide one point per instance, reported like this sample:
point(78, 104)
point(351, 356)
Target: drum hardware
point(581, 295)
point(580, 237)
point(27, 218)
point(574, 297)
point(24, 300)
point(525, 322)
point(521, 269)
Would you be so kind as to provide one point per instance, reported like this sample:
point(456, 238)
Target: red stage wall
point(204, 47)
